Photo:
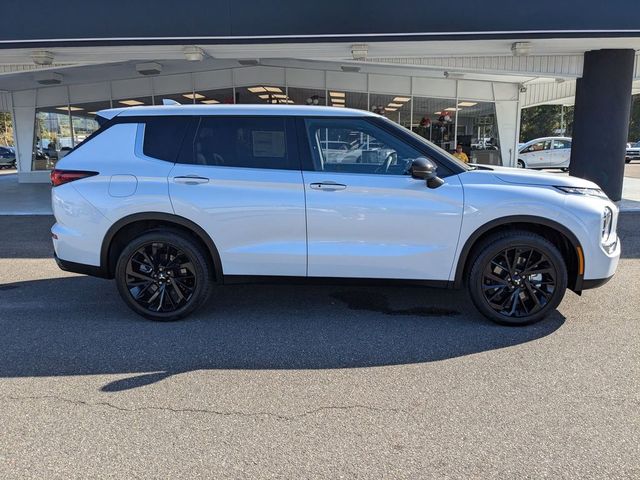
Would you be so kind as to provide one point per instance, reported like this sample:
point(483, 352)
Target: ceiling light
point(349, 68)
point(338, 105)
point(278, 95)
point(42, 57)
point(265, 96)
point(256, 89)
point(193, 53)
point(521, 49)
point(337, 94)
point(359, 51)
point(387, 109)
point(191, 96)
point(401, 99)
point(451, 109)
point(210, 102)
point(149, 68)
point(467, 104)
point(273, 89)
point(397, 105)
point(92, 113)
point(48, 78)
point(70, 109)
point(131, 103)
point(337, 100)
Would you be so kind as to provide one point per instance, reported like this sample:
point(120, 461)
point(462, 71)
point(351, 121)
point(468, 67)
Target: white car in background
point(548, 152)
point(633, 152)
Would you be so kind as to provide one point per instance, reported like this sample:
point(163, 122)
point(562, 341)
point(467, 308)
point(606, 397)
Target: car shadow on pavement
point(79, 326)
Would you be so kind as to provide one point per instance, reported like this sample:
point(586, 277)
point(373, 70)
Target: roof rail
point(168, 101)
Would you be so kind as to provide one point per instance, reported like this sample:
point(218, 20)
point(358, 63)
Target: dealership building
point(452, 72)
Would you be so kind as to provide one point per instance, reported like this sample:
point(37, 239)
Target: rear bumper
point(74, 267)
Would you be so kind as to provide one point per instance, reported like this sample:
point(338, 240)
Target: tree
point(546, 121)
point(6, 129)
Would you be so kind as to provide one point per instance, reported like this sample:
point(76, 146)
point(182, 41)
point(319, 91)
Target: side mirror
point(424, 169)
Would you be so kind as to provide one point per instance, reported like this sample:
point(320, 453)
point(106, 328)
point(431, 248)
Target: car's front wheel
point(521, 164)
point(517, 277)
point(163, 275)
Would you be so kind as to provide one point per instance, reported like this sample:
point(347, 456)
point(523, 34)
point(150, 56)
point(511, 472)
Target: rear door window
point(246, 142)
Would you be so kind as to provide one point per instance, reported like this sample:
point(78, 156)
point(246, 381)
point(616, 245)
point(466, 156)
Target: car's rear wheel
point(517, 278)
point(163, 275)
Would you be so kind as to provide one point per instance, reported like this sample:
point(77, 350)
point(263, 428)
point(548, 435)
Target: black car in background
point(7, 157)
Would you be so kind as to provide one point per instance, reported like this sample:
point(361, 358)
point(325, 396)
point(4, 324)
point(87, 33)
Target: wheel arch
point(558, 234)
point(132, 225)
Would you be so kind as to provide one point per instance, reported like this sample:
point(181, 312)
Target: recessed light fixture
point(337, 94)
point(256, 89)
point(70, 109)
point(191, 96)
point(278, 95)
point(396, 105)
point(273, 89)
point(387, 109)
point(337, 100)
point(92, 113)
point(467, 104)
point(264, 96)
point(451, 109)
point(210, 102)
point(338, 105)
point(401, 99)
point(131, 103)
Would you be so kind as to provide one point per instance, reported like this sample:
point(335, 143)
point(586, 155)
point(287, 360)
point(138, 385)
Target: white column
point(24, 114)
point(508, 117)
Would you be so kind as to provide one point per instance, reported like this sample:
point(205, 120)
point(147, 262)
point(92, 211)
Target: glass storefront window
point(52, 133)
point(339, 98)
point(83, 121)
point(435, 120)
point(478, 132)
point(133, 102)
point(262, 94)
point(396, 108)
point(307, 96)
point(212, 97)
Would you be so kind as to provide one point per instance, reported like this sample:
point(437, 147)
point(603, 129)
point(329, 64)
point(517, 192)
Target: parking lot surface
point(311, 382)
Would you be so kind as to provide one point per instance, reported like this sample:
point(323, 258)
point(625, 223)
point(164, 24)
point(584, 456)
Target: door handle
point(328, 186)
point(190, 179)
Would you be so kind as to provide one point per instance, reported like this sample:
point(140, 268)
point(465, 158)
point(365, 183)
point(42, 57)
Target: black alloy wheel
point(163, 275)
point(519, 282)
point(160, 277)
point(517, 279)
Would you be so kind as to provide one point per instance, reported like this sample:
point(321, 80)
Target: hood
point(522, 176)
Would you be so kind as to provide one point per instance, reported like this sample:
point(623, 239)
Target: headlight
point(592, 192)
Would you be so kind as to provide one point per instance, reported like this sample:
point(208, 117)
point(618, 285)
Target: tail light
point(60, 177)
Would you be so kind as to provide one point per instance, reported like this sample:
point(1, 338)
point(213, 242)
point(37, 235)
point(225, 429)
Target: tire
point(521, 164)
point(540, 293)
point(169, 265)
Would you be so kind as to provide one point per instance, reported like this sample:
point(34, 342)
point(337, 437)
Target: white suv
point(171, 200)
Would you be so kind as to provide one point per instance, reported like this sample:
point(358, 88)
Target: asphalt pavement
point(311, 381)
